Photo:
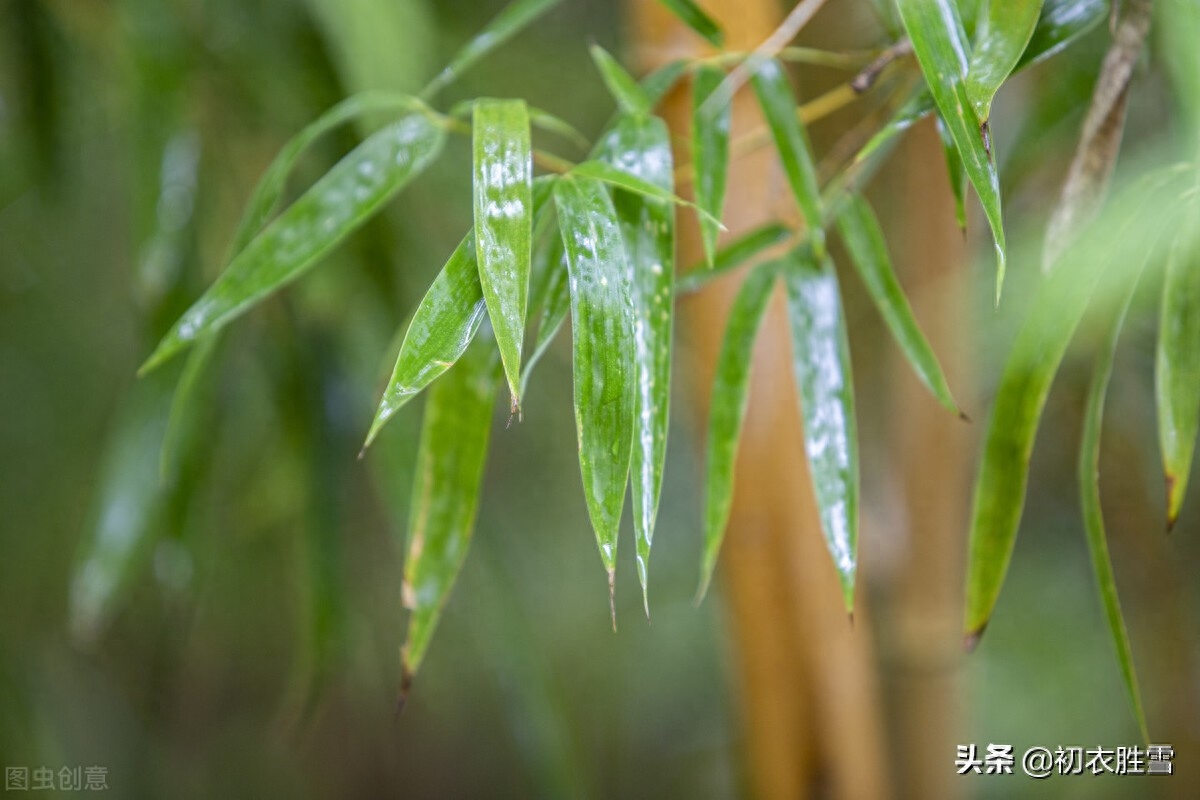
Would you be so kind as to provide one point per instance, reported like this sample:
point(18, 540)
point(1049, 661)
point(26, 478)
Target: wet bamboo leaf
point(556, 309)
point(515, 17)
point(940, 45)
point(604, 352)
point(503, 193)
point(727, 409)
point(710, 152)
point(779, 107)
point(694, 17)
point(1093, 516)
point(1000, 38)
point(868, 251)
point(734, 255)
point(915, 109)
point(334, 207)
point(821, 359)
point(1177, 369)
point(641, 146)
point(444, 324)
point(1060, 23)
point(621, 178)
point(630, 97)
point(956, 173)
point(445, 496)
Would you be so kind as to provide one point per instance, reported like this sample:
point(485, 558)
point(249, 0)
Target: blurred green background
point(248, 647)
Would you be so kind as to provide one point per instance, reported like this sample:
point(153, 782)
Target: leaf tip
point(612, 596)
point(971, 639)
point(406, 682)
point(1174, 501)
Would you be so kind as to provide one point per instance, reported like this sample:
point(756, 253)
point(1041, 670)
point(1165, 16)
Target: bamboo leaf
point(445, 495)
point(727, 409)
point(515, 17)
point(710, 152)
point(1177, 368)
point(604, 353)
point(557, 308)
point(941, 48)
point(1060, 23)
point(641, 145)
point(1093, 516)
point(915, 109)
point(630, 97)
point(733, 255)
point(779, 107)
point(694, 17)
point(659, 82)
point(618, 176)
point(956, 173)
point(1000, 38)
point(503, 192)
point(868, 252)
point(340, 202)
point(821, 360)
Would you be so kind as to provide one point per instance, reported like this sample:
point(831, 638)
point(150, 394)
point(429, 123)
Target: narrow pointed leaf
point(694, 17)
point(444, 324)
point(1000, 38)
point(604, 351)
point(503, 192)
point(956, 173)
point(618, 176)
point(630, 97)
point(1177, 368)
point(556, 309)
point(1093, 516)
point(660, 81)
point(710, 153)
point(515, 17)
point(940, 45)
point(185, 402)
point(868, 252)
point(1060, 23)
point(641, 145)
point(445, 496)
point(341, 201)
point(915, 109)
point(821, 360)
point(727, 409)
point(779, 107)
point(734, 255)
point(550, 123)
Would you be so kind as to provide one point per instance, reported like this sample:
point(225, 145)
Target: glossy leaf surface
point(1000, 38)
point(710, 153)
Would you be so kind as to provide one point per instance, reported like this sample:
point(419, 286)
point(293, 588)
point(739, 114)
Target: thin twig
point(870, 73)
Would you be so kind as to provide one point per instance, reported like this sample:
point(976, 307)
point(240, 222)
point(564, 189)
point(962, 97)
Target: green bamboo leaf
point(185, 401)
point(503, 191)
point(556, 309)
point(1177, 369)
point(710, 152)
point(604, 353)
point(1060, 23)
point(915, 109)
point(630, 97)
point(617, 176)
point(791, 141)
point(821, 360)
point(544, 120)
point(515, 17)
point(1000, 38)
point(728, 409)
point(734, 255)
point(1129, 227)
point(941, 48)
point(445, 495)
point(956, 173)
point(641, 145)
point(694, 17)
point(334, 207)
point(868, 252)
point(1093, 516)
point(1179, 28)
point(660, 81)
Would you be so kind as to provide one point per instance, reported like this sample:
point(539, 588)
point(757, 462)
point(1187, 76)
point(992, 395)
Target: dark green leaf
point(728, 409)
point(710, 153)
point(1000, 39)
point(958, 176)
point(630, 97)
point(821, 359)
point(868, 251)
point(604, 352)
point(941, 48)
point(779, 107)
point(641, 145)
point(1093, 516)
point(445, 496)
point(503, 192)
point(557, 307)
point(1177, 368)
point(444, 324)
point(515, 17)
point(694, 17)
point(734, 255)
point(335, 206)
point(1060, 23)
